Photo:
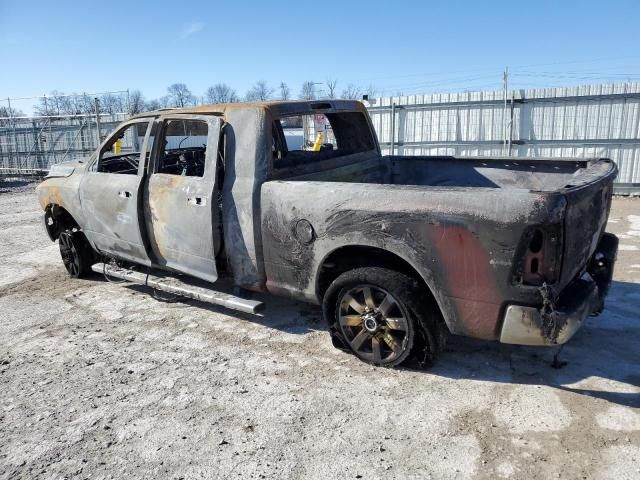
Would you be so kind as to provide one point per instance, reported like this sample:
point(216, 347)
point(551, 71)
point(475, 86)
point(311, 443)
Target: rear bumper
point(557, 322)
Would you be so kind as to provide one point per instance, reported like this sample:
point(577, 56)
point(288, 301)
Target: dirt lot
point(99, 380)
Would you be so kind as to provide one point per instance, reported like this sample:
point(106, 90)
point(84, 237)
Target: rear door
point(182, 210)
point(110, 192)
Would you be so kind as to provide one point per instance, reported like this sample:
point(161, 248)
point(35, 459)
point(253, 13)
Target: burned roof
point(276, 108)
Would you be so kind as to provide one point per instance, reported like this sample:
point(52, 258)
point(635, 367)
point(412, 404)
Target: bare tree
point(332, 85)
point(58, 103)
point(110, 103)
point(6, 115)
point(179, 95)
point(285, 91)
point(85, 104)
point(352, 92)
point(220, 93)
point(75, 104)
point(308, 91)
point(48, 105)
point(136, 102)
point(259, 92)
point(153, 104)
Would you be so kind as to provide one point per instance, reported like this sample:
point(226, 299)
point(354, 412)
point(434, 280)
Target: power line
point(572, 62)
point(55, 95)
point(486, 70)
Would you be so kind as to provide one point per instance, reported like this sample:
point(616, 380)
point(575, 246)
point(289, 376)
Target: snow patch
point(621, 461)
point(619, 418)
point(531, 414)
point(634, 221)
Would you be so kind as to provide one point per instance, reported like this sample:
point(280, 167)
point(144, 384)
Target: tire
point(382, 316)
point(76, 252)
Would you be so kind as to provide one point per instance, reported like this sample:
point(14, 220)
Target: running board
point(176, 287)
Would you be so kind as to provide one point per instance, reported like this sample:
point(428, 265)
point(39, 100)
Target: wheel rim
point(374, 323)
point(69, 254)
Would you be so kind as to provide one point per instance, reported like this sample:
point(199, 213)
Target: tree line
point(179, 95)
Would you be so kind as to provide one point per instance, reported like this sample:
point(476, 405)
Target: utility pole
point(15, 136)
point(511, 124)
point(48, 120)
point(97, 106)
point(505, 79)
point(393, 128)
point(128, 104)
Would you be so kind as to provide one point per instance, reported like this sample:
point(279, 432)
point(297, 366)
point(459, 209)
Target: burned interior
point(347, 133)
point(185, 148)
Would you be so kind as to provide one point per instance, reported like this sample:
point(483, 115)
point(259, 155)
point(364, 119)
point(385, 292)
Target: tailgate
point(588, 203)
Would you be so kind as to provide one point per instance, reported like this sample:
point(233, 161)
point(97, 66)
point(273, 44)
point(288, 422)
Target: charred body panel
point(245, 168)
point(60, 199)
point(462, 242)
point(248, 163)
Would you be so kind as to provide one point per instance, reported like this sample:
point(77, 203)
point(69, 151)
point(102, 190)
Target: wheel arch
point(348, 257)
point(57, 219)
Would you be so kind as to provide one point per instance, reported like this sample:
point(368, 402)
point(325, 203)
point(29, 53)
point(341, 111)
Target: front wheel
point(377, 313)
point(76, 252)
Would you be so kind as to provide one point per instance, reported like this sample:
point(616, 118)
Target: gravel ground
point(99, 380)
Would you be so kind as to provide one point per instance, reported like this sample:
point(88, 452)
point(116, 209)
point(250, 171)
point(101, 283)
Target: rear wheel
point(76, 252)
point(378, 314)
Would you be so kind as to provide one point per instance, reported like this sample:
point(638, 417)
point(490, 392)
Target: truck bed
point(584, 185)
point(534, 174)
point(529, 174)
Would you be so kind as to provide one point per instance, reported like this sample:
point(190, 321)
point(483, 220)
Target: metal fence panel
point(35, 143)
point(584, 121)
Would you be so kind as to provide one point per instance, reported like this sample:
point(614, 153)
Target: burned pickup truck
point(399, 251)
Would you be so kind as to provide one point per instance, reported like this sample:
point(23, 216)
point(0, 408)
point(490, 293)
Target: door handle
point(124, 194)
point(197, 201)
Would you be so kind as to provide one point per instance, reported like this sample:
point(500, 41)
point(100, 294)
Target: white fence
point(587, 121)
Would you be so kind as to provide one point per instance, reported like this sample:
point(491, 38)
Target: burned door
point(110, 193)
point(181, 205)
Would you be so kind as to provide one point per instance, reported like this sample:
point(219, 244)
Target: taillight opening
point(534, 265)
point(534, 259)
point(536, 242)
point(539, 253)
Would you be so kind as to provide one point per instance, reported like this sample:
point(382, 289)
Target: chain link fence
point(62, 128)
point(32, 145)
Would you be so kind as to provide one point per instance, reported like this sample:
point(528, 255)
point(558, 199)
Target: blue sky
point(409, 47)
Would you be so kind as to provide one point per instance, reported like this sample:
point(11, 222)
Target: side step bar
point(177, 287)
